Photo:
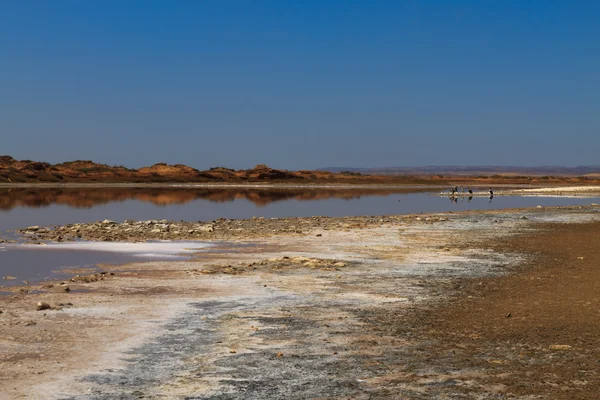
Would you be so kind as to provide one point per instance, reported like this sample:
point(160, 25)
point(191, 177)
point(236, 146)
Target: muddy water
point(21, 207)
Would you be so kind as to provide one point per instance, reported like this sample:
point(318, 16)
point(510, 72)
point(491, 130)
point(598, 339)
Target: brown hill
point(85, 171)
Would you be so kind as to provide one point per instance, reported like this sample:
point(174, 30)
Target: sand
point(397, 307)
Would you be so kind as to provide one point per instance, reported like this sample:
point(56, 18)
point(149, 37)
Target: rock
point(593, 204)
point(67, 289)
point(43, 306)
point(319, 235)
point(523, 217)
point(339, 264)
point(8, 277)
point(207, 228)
point(108, 222)
point(539, 207)
point(418, 218)
point(32, 228)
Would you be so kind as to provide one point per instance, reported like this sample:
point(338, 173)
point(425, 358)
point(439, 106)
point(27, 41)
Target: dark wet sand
point(532, 333)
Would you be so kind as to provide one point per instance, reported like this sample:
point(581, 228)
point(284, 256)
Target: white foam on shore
point(143, 249)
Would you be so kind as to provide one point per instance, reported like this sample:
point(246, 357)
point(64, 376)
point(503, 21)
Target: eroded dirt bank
point(372, 308)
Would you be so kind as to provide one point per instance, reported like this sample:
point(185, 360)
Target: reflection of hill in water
point(90, 197)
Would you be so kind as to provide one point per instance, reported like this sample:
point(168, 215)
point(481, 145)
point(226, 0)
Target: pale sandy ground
point(166, 330)
point(562, 191)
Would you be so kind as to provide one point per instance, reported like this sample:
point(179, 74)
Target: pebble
point(43, 306)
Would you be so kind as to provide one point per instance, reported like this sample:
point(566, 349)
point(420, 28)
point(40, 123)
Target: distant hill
point(84, 171)
point(483, 170)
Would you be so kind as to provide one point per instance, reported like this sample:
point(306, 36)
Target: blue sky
point(301, 84)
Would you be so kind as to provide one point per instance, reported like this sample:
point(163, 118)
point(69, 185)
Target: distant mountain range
point(481, 170)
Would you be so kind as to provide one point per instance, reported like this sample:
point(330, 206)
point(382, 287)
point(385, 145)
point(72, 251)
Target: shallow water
point(35, 263)
point(53, 206)
point(24, 207)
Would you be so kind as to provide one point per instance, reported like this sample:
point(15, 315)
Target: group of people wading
point(454, 193)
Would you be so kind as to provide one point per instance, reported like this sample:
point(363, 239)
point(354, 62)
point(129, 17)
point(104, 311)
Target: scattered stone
point(207, 228)
point(43, 306)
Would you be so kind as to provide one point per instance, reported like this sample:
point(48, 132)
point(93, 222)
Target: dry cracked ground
point(486, 305)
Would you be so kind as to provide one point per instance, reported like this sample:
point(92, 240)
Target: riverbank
point(311, 308)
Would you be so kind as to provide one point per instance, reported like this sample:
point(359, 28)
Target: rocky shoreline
point(315, 307)
point(232, 229)
point(220, 229)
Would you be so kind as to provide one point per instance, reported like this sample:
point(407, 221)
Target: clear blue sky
point(301, 84)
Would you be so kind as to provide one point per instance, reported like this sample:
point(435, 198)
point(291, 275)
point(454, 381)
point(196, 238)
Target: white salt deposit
point(160, 249)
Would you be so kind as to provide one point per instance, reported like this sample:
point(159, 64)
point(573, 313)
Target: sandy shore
point(558, 191)
point(310, 308)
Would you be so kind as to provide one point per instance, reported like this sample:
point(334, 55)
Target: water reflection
point(90, 197)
